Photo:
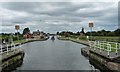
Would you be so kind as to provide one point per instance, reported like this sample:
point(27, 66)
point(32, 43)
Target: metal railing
point(7, 48)
point(105, 46)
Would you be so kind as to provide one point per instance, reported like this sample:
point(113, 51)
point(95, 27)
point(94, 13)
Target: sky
point(52, 17)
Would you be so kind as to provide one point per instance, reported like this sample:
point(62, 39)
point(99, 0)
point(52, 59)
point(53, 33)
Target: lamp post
point(91, 26)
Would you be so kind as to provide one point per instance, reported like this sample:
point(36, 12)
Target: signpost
point(91, 25)
point(17, 27)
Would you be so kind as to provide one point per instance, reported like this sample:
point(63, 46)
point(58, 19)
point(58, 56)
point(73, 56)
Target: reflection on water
point(57, 55)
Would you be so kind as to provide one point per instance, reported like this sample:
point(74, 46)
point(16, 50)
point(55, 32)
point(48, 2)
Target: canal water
point(54, 55)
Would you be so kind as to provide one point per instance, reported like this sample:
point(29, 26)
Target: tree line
point(94, 33)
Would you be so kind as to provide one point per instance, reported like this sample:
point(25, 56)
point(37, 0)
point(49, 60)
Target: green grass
point(105, 47)
point(19, 41)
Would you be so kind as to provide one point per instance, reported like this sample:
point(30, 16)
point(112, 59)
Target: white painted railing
point(105, 46)
point(7, 48)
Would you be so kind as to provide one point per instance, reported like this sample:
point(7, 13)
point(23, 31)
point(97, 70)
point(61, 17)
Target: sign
point(17, 27)
point(90, 24)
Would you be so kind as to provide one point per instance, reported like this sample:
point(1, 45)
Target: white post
point(20, 45)
point(7, 49)
point(11, 47)
point(90, 44)
point(103, 45)
point(14, 47)
point(116, 48)
point(1, 49)
point(94, 45)
point(99, 46)
point(119, 45)
point(108, 49)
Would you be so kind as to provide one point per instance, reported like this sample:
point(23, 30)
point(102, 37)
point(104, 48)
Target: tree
point(57, 33)
point(26, 30)
point(117, 32)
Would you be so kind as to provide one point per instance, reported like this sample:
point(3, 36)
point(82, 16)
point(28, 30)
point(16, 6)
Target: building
point(27, 36)
point(36, 33)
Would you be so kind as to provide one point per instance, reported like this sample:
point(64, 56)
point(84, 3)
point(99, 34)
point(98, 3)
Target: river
point(54, 55)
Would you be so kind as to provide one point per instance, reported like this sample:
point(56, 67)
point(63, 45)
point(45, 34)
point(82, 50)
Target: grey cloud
point(103, 14)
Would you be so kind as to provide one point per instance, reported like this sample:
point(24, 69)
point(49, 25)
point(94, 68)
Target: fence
point(109, 47)
point(8, 48)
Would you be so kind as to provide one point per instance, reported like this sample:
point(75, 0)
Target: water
point(54, 55)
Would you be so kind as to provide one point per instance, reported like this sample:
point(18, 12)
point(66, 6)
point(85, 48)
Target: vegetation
point(94, 33)
point(26, 30)
point(103, 35)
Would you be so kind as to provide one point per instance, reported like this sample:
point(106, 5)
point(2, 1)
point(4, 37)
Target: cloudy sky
point(58, 16)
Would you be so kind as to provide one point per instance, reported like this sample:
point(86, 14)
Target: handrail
point(105, 46)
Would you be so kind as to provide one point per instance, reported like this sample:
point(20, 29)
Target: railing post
point(103, 44)
point(20, 45)
point(0, 49)
point(94, 45)
point(14, 47)
point(108, 49)
point(7, 49)
point(11, 47)
point(119, 45)
point(100, 47)
point(116, 49)
point(90, 44)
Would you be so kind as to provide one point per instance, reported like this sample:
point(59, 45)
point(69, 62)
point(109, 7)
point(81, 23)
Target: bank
point(13, 57)
point(105, 64)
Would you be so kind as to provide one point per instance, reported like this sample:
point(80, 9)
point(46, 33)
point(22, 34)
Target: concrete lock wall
point(11, 61)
